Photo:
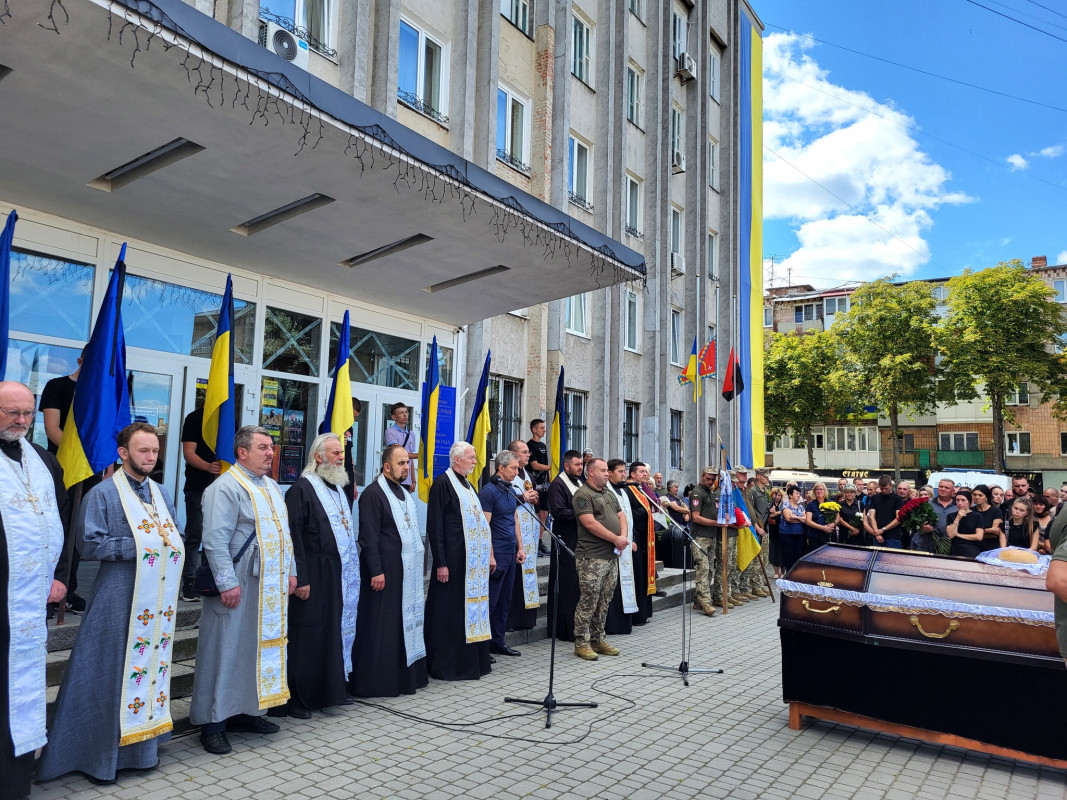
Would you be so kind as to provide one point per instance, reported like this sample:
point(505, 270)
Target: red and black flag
point(733, 384)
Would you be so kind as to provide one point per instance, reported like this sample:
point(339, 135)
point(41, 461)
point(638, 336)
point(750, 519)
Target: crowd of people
point(312, 598)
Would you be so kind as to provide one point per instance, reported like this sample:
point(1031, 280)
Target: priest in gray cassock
point(34, 515)
point(389, 657)
point(322, 610)
point(240, 654)
point(113, 708)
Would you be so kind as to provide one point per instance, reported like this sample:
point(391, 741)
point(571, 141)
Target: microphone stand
point(549, 704)
point(683, 668)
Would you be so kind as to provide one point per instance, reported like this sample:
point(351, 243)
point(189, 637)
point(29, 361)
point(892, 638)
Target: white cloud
point(1017, 162)
point(868, 160)
point(1055, 151)
point(1062, 258)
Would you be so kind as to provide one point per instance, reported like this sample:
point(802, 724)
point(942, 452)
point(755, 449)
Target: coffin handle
point(831, 609)
point(953, 625)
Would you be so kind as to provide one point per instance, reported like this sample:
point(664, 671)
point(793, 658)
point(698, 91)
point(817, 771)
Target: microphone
point(507, 487)
point(631, 483)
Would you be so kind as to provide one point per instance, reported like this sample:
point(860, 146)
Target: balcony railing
point(418, 104)
point(512, 161)
point(965, 458)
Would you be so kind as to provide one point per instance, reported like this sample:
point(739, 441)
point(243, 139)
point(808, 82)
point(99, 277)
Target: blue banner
point(446, 428)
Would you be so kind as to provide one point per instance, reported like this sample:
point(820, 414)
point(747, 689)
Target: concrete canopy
point(75, 111)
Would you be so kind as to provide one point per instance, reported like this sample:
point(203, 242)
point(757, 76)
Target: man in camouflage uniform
point(601, 531)
point(759, 506)
point(707, 543)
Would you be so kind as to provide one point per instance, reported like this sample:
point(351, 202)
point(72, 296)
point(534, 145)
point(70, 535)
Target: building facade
point(554, 182)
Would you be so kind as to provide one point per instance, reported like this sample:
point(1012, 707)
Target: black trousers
point(194, 534)
point(501, 584)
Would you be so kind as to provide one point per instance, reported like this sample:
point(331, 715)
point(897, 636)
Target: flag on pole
point(220, 406)
point(101, 404)
point(734, 510)
point(689, 374)
point(558, 436)
point(734, 383)
point(5, 284)
point(339, 417)
point(430, 392)
point(480, 427)
point(706, 361)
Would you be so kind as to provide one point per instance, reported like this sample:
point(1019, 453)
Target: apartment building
point(555, 182)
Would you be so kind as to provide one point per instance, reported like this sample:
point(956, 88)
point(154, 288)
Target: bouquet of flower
point(918, 512)
point(830, 511)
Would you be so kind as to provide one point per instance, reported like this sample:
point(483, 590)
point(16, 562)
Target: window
point(631, 416)
point(578, 173)
point(420, 72)
point(714, 73)
point(958, 441)
point(676, 439)
point(633, 95)
point(635, 8)
point(288, 410)
point(517, 13)
point(630, 314)
point(1017, 443)
point(676, 336)
point(713, 255)
point(1060, 287)
point(907, 443)
point(940, 293)
point(676, 229)
point(677, 135)
point(848, 439)
point(581, 55)
point(179, 319)
point(291, 342)
point(314, 16)
point(576, 312)
point(1020, 397)
point(832, 306)
point(713, 164)
point(50, 296)
point(633, 206)
point(505, 412)
point(380, 359)
point(768, 444)
point(678, 34)
point(804, 313)
point(574, 405)
point(1063, 443)
point(768, 316)
point(512, 130)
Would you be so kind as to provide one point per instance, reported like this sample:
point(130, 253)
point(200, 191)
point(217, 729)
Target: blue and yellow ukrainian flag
point(558, 435)
point(480, 427)
point(5, 286)
point(750, 275)
point(689, 374)
point(431, 389)
point(748, 544)
point(339, 416)
point(101, 405)
point(220, 406)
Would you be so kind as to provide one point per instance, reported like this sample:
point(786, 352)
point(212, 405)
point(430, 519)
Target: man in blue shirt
point(399, 433)
point(501, 510)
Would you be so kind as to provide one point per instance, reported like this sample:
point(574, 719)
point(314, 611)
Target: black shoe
point(244, 723)
point(503, 650)
point(75, 603)
point(215, 743)
point(660, 594)
point(543, 551)
point(492, 660)
point(100, 781)
point(275, 711)
point(298, 711)
point(51, 611)
point(188, 595)
point(349, 700)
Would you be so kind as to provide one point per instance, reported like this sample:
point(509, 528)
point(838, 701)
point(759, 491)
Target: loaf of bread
point(1018, 556)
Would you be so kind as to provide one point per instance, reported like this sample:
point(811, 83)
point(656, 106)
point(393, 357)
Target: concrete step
point(61, 637)
point(183, 649)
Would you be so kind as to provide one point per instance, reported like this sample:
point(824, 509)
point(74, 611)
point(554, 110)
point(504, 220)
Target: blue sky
point(938, 208)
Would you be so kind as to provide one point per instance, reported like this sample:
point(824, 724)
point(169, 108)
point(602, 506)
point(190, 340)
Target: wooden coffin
point(933, 647)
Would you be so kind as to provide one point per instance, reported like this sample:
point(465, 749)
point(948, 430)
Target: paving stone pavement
point(725, 736)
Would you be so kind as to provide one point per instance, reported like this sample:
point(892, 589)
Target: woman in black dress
point(849, 524)
point(1042, 519)
point(1019, 529)
point(991, 518)
point(774, 520)
point(963, 528)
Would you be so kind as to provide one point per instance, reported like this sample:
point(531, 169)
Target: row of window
point(846, 438)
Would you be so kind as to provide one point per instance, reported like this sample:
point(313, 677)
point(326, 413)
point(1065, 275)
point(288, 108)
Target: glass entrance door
point(370, 426)
point(156, 397)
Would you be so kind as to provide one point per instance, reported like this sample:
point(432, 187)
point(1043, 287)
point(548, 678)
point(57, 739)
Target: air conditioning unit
point(687, 67)
point(678, 162)
point(677, 264)
point(283, 43)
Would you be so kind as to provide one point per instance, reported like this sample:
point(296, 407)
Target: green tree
point(1001, 328)
point(798, 391)
point(888, 339)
